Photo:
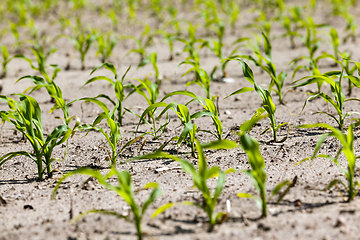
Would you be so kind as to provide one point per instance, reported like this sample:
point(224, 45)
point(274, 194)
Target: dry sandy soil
point(307, 212)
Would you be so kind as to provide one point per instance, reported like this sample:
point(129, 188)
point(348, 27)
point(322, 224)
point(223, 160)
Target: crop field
point(179, 119)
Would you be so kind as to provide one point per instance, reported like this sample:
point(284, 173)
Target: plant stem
point(138, 227)
point(263, 203)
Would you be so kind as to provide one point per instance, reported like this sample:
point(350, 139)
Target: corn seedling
point(234, 11)
point(6, 59)
point(209, 11)
point(152, 58)
point(267, 102)
point(311, 42)
point(105, 45)
point(335, 42)
point(48, 82)
point(210, 109)
point(169, 38)
point(200, 178)
point(156, 131)
point(202, 78)
point(258, 175)
point(82, 41)
point(188, 134)
point(269, 67)
point(290, 31)
point(119, 88)
point(124, 189)
point(142, 43)
point(148, 90)
point(113, 136)
point(25, 116)
point(337, 99)
point(16, 35)
point(350, 27)
point(347, 148)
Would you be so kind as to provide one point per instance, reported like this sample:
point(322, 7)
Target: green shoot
point(142, 43)
point(82, 41)
point(347, 148)
point(25, 115)
point(148, 90)
point(114, 136)
point(6, 59)
point(169, 38)
point(200, 179)
point(337, 99)
point(265, 96)
point(270, 68)
point(258, 174)
point(105, 45)
point(124, 189)
point(119, 89)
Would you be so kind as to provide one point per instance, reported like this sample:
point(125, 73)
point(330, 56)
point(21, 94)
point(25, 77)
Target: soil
point(306, 212)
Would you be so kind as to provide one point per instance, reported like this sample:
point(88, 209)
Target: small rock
point(263, 227)
point(340, 221)
point(28, 207)
point(297, 203)
point(227, 80)
point(163, 169)
point(227, 112)
point(2, 201)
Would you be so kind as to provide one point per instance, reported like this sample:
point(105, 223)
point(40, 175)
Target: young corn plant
point(48, 82)
point(149, 91)
point(15, 32)
point(200, 178)
point(335, 42)
point(258, 174)
point(350, 27)
point(25, 116)
point(6, 59)
point(337, 99)
point(347, 65)
point(124, 189)
point(41, 54)
point(105, 45)
point(267, 102)
point(347, 148)
point(210, 109)
point(82, 41)
point(190, 47)
point(156, 131)
point(269, 67)
point(119, 88)
point(152, 58)
point(202, 78)
point(169, 38)
point(233, 12)
point(142, 43)
point(290, 31)
point(312, 43)
point(113, 136)
point(217, 45)
point(188, 134)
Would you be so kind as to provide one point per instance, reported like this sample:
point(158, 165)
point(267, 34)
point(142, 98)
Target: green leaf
point(241, 90)
point(162, 209)
point(220, 144)
point(101, 211)
point(157, 155)
point(245, 195)
point(11, 155)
